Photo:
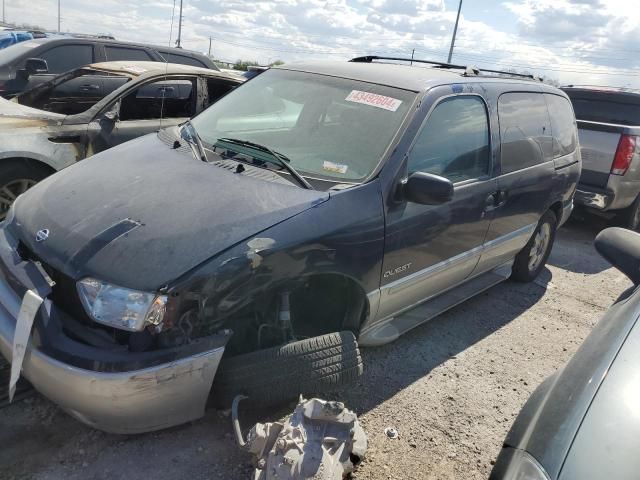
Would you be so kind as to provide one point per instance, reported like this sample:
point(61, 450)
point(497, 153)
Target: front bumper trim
point(125, 402)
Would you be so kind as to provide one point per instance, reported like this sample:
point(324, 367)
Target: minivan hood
point(142, 214)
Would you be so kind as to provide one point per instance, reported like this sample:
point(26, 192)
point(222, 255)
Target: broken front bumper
point(136, 400)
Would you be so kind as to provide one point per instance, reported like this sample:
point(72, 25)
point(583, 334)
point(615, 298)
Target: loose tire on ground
point(280, 374)
point(522, 270)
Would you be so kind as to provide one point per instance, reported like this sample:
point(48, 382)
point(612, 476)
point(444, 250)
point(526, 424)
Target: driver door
point(148, 108)
point(432, 248)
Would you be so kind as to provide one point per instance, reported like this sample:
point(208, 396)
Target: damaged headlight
point(121, 307)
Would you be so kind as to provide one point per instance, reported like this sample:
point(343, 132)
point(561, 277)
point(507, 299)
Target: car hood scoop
point(142, 214)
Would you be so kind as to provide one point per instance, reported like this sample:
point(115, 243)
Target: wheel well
point(32, 163)
point(317, 304)
point(556, 208)
point(326, 303)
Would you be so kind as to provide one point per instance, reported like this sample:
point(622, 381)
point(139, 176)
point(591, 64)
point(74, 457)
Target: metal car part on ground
point(201, 240)
point(320, 440)
point(88, 110)
point(582, 422)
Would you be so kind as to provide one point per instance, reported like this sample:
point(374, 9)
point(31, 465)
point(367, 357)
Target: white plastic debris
point(391, 432)
point(30, 304)
point(320, 440)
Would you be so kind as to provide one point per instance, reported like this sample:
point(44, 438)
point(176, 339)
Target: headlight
point(121, 307)
point(525, 467)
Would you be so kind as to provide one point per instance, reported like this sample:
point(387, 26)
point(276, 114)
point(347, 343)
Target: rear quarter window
point(183, 60)
point(563, 125)
point(525, 130)
point(115, 54)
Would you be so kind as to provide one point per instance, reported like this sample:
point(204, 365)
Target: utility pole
point(455, 30)
point(412, 52)
point(179, 28)
point(58, 16)
point(209, 46)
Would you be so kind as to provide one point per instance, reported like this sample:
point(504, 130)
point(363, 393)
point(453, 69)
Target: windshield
point(329, 128)
point(70, 93)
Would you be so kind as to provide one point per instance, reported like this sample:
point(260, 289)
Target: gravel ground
point(451, 388)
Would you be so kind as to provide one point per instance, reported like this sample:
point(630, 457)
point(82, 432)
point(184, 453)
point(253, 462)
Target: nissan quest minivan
point(312, 210)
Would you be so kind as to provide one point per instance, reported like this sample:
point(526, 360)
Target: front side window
point(453, 141)
point(67, 57)
point(160, 99)
point(525, 130)
point(563, 125)
point(329, 128)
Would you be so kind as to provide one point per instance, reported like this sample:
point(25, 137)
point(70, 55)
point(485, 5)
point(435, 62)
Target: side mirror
point(33, 66)
point(621, 247)
point(427, 189)
point(113, 113)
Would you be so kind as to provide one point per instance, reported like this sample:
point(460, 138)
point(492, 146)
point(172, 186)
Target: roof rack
point(468, 70)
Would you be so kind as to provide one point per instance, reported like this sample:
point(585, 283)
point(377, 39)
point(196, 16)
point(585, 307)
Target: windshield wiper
point(194, 141)
point(282, 159)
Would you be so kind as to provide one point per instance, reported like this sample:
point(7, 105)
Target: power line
point(470, 56)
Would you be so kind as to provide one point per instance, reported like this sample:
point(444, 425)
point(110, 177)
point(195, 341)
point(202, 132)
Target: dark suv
point(47, 57)
point(358, 197)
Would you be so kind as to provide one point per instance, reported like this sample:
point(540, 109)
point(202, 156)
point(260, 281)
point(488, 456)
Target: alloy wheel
point(10, 191)
point(539, 247)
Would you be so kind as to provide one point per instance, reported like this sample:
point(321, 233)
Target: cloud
point(574, 41)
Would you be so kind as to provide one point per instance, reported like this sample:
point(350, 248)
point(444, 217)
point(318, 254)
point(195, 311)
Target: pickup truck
point(608, 129)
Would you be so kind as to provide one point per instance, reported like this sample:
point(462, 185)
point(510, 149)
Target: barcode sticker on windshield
point(334, 167)
point(373, 99)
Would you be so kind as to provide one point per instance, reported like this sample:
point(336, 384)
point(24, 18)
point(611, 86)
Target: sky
point(586, 42)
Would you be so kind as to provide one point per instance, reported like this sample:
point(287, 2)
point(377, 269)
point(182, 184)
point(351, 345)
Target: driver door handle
point(495, 200)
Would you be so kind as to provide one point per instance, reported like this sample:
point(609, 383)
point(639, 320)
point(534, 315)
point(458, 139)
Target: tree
point(244, 64)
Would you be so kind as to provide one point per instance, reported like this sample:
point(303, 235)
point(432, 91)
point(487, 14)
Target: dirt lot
point(451, 387)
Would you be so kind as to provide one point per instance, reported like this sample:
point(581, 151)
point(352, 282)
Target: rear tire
point(280, 374)
point(532, 258)
point(16, 177)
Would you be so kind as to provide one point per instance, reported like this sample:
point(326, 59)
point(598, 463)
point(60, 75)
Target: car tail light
point(624, 154)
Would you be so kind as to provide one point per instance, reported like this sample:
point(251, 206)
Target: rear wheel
point(16, 177)
point(280, 374)
point(532, 258)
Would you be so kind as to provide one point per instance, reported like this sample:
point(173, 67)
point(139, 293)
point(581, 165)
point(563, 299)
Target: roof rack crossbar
point(371, 58)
